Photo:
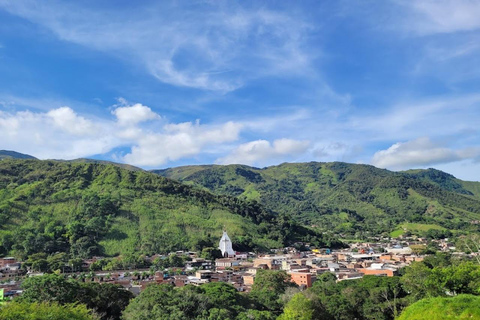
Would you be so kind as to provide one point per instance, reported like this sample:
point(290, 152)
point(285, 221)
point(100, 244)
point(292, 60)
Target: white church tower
point(225, 246)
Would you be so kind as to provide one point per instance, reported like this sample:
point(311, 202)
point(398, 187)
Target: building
point(302, 279)
point(225, 246)
point(222, 264)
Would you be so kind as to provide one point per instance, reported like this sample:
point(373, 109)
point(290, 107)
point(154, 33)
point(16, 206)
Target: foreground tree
point(268, 287)
point(45, 311)
point(106, 300)
point(49, 288)
point(298, 308)
point(212, 301)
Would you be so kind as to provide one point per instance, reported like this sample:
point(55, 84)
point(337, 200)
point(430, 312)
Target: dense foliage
point(211, 301)
point(45, 311)
point(107, 300)
point(347, 198)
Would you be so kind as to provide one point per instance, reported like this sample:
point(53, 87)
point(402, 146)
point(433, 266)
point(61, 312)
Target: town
point(379, 257)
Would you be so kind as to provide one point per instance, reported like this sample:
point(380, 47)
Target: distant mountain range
point(347, 198)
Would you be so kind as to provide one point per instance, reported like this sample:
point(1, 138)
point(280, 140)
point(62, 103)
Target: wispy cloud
point(228, 43)
point(443, 16)
point(436, 116)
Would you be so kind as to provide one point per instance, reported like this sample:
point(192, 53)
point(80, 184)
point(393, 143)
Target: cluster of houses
point(240, 269)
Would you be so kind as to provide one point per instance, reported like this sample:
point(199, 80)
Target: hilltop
point(7, 154)
point(347, 198)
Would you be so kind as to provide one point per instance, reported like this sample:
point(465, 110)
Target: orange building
point(377, 272)
point(302, 279)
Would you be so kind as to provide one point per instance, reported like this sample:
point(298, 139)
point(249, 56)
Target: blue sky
point(159, 84)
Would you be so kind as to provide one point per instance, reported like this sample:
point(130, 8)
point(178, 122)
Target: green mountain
point(7, 154)
point(346, 198)
point(120, 165)
point(87, 209)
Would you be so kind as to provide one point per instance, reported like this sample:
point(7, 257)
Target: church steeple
point(225, 245)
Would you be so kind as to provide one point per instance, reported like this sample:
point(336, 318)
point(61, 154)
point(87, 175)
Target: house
point(222, 264)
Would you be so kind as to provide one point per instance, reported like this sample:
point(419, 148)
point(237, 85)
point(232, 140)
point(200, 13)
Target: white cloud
point(133, 115)
point(62, 134)
point(229, 43)
point(419, 153)
point(44, 135)
point(67, 120)
point(262, 151)
point(179, 141)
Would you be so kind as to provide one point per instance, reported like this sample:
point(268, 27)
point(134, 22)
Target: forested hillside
point(86, 209)
point(347, 198)
point(7, 154)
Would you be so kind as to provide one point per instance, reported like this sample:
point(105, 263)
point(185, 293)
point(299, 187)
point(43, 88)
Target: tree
point(415, 281)
point(57, 261)
point(107, 300)
point(210, 301)
point(268, 287)
point(298, 308)
point(421, 281)
point(49, 288)
point(150, 304)
point(45, 311)
point(210, 253)
point(257, 315)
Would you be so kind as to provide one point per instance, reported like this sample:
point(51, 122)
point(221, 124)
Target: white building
point(225, 246)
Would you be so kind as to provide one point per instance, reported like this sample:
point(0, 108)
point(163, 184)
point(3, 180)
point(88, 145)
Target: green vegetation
point(419, 229)
point(416, 227)
point(215, 300)
point(463, 306)
point(268, 287)
point(45, 311)
point(107, 300)
point(53, 213)
point(396, 233)
point(6, 154)
point(210, 301)
point(350, 199)
point(372, 297)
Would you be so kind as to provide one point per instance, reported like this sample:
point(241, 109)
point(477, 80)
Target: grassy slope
point(344, 196)
point(40, 202)
point(463, 306)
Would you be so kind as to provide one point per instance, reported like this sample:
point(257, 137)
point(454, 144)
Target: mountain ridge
point(335, 194)
point(9, 154)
